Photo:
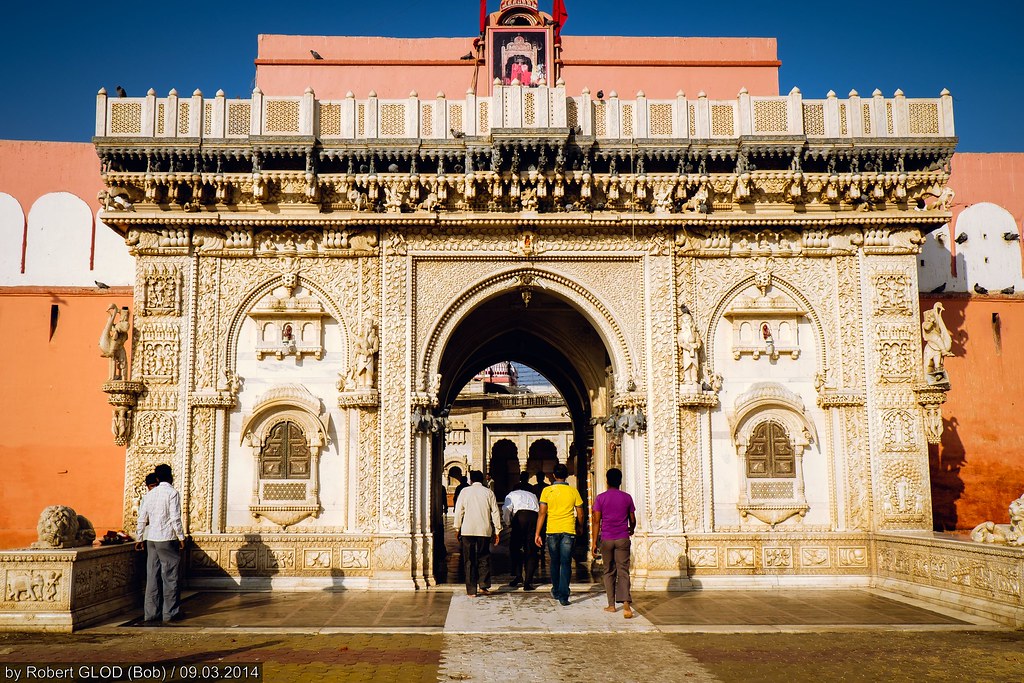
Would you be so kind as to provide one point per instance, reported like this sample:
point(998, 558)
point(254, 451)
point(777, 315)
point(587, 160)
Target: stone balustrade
point(523, 109)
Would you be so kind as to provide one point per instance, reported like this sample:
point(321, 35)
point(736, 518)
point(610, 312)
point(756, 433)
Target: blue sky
point(56, 56)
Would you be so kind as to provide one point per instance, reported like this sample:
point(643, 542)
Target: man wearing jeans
point(562, 508)
point(161, 531)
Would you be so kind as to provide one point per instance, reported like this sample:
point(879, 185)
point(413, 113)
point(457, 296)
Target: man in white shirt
point(477, 521)
point(161, 531)
point(520, 513)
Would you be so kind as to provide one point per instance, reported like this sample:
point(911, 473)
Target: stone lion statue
point(61, 527)
point(1011, 534)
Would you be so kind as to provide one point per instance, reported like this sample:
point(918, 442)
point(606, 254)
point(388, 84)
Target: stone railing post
point(703, 110)
point(412, 116)
point(196, 115)
point(901, 115)
point(220, 108)
point(558, 109)
point(470, 116)
point(681, 117)
point(149, 113)
point(745, 116)
point(256, 112)
point(171, 115)
point(101, 113)
point(946, 127)
point(614, 113)
point(642, 129)
point(585, 113)
point(855, 115)
point(307, 106)
point(348, 116)
point(832, 128)
point(795, 112)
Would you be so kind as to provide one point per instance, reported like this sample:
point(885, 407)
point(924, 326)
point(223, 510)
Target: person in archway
point(561, 510)
point(614, 521)
point(520, 513)
point(456, 473)
point(477, 521)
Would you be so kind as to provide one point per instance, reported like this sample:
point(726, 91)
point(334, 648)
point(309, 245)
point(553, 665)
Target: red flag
point(560, 16)
point(483, 16)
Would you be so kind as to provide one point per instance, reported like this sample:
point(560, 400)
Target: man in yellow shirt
point(562, 508)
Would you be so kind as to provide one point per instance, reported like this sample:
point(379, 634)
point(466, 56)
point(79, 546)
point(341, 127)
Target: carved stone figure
point(937, 345)
point(112, 342)
point(358, 200)
point(367, 348)
point(1012, 533)
point(529, 199)
point(689, 347)
point(61, 527)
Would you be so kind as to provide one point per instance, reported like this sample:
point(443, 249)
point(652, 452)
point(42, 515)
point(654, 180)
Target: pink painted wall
point(393, 67)
point(30, 169)
point(57, 447)
point(979, 466)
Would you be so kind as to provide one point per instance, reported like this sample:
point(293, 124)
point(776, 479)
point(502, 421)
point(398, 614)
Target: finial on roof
point(349, 95)
point(680, 93)
point(102, 91)
point(702, 95)
point(898, 93)
point(151, 92)
point(613, 94)
point(560, 83)
point(372, 93)
point(309, 90)
point(497, 81)
point(257, 91)
point(945, 93)
point(853, 93)
point(585, 91)
point(220, 93)
point(876, 93)
point(197, 93)
point(413, 93)
point(173, 93)
point(744, 91)
point(830, 93)
point(640, 93)
point(794, 91)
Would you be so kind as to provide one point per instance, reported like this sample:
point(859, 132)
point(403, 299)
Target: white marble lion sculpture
point(61, 527)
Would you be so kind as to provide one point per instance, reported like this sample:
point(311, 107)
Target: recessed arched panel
point(112, 263)
point(59, 242)
point(12, 234)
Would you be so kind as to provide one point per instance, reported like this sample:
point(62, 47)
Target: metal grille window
point(286, 453)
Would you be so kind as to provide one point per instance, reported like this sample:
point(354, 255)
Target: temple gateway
point(724, 291)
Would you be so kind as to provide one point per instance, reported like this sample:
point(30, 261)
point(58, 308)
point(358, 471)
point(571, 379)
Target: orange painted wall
point(57, 447)
point(979, 466)
point(29, 169)
point(393, 67)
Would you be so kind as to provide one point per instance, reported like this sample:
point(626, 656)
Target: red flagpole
point(483, 16)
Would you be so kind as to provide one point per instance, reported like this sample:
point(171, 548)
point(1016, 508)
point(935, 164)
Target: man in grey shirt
point(477, 521)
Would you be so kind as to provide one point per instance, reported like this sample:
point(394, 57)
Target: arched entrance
point(549, 334)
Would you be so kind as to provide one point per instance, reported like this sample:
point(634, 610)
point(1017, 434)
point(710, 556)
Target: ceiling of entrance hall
point(547, 334)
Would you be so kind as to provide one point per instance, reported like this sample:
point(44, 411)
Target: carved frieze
point(160, 352)
point(161, 290)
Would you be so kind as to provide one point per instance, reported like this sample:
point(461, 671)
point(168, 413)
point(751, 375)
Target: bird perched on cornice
point(940, 288)
point(1007, 290)
point(1011, 236)
point(121, 92)
point(979, 289)
point(961, 238)
point(101, 285)
point(316, 55)
point(468, 56)
point(458, 134)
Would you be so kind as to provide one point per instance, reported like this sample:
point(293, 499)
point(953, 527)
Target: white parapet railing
point(523, 108)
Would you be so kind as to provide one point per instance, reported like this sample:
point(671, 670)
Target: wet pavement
point(441, 635)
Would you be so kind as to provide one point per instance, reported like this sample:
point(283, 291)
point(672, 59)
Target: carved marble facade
point(293, 321)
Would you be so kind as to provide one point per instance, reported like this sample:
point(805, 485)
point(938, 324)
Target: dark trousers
point(615, 554)
point(476, 560)
point(162, 562)
point(522, 548)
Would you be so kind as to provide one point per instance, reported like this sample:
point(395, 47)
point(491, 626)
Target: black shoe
point(148, 622)
point(177, 617)
point(564, 602)
point(529, 587)
point(515, 582)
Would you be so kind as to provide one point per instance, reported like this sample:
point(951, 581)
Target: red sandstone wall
point(57, 447)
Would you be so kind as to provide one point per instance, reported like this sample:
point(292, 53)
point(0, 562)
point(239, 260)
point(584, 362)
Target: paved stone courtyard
point(443, 636)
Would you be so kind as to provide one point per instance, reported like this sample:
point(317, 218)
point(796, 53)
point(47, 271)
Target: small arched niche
point(286, 431)
point(770, 431)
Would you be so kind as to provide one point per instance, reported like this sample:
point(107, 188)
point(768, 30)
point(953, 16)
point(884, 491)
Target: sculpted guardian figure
point(61, 527)
point(112, 342)
point(367, 347)
point(937, 344)
point(689, 347)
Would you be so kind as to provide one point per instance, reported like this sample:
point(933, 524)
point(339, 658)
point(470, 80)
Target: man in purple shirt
point(614, 521)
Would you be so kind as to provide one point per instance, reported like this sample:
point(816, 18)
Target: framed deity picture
point(520, 55)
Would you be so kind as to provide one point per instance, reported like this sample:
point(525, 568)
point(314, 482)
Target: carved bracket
point(123, 396)
point(931, 397)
